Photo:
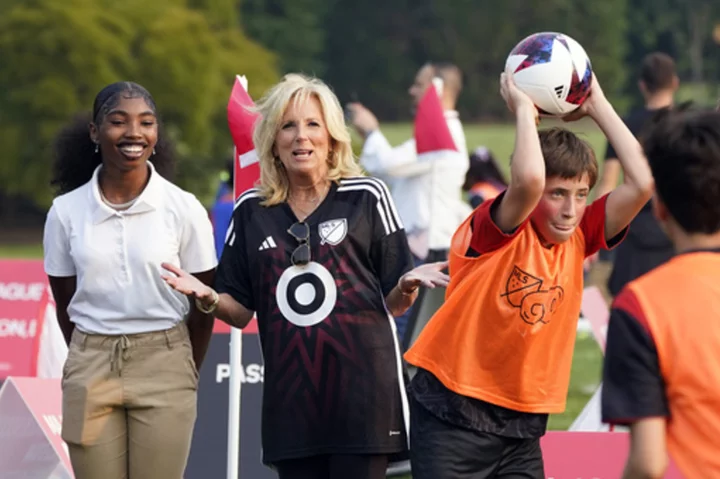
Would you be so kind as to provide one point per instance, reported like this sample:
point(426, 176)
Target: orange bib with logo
point(506, 332)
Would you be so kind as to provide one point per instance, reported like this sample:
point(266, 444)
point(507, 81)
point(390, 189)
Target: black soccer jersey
point(332, 362)
point(646, 245)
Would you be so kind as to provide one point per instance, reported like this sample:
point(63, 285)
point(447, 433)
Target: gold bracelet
point(212, 307)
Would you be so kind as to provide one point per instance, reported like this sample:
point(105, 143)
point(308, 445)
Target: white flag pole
point(234, 404)
point(234, 389)
point(236, 371)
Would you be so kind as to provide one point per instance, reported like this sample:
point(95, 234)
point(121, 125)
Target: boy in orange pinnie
point(495, 359)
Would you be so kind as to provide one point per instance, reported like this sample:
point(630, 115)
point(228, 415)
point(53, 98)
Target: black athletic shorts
point(440, 450)
point(335, 466)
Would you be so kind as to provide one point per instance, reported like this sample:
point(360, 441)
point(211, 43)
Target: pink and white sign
point(31, 343)
point(23, 286)
point(588, 455)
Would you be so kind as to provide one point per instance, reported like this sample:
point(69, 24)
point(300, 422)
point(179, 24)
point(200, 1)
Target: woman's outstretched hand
point(429, 275)
point(186, 283)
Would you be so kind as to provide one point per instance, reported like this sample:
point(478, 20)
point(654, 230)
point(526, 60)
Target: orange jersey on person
point(485, 189)
point(678, 303)
point(506, 332)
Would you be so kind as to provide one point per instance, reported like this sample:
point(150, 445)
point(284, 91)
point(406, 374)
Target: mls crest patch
point(333, 231)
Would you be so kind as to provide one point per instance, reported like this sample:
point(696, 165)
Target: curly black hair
point(75, 157)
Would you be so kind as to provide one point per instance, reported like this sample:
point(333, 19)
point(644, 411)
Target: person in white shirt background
point(414, 183)
point(135, 345)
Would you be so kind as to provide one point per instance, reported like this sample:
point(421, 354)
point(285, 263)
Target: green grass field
point(32, 250)
point(499, 138)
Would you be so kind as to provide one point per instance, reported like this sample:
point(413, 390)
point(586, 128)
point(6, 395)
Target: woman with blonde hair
point(318, 252)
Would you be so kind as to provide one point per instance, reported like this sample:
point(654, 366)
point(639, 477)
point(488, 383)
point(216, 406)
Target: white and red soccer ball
point(553, 70)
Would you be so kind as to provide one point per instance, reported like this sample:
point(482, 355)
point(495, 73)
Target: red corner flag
point(246, 168)
point(431, 130)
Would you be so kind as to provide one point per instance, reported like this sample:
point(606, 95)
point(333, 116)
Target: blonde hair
point(274, 185)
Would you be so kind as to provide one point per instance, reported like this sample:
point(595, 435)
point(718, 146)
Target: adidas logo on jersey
point(269, 243)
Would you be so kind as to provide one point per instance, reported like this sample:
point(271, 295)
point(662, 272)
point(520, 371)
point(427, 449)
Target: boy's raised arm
point(527, 167)
point(626, 200)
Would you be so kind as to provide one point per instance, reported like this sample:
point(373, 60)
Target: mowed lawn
point(20, 251)
point(499, 138)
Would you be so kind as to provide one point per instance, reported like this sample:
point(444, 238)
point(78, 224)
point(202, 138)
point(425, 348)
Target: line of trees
point(56, 54)
point(371, 49)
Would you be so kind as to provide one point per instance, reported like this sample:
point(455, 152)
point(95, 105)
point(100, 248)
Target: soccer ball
point(553, 70)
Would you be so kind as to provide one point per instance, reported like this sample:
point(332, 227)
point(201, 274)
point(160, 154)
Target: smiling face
point(303, 142)
point(561, 208)
point(127, 134)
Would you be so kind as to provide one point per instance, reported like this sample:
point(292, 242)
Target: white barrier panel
point(30, 424)
point(596, 312)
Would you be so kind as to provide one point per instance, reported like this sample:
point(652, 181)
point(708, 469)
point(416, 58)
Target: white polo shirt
point(116, 255)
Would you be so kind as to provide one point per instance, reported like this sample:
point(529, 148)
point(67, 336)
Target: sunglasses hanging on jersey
point(301, 232)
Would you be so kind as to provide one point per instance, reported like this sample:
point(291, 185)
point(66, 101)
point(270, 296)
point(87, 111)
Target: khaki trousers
point(129, 404)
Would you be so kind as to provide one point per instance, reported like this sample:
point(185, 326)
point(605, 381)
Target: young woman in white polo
point(135, 345)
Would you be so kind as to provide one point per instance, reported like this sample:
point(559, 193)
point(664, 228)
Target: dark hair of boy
point(567, 155)
point(683, 149)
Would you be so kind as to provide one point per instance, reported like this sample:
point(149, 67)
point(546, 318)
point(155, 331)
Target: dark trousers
point(335, 466)
point(440, 450)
